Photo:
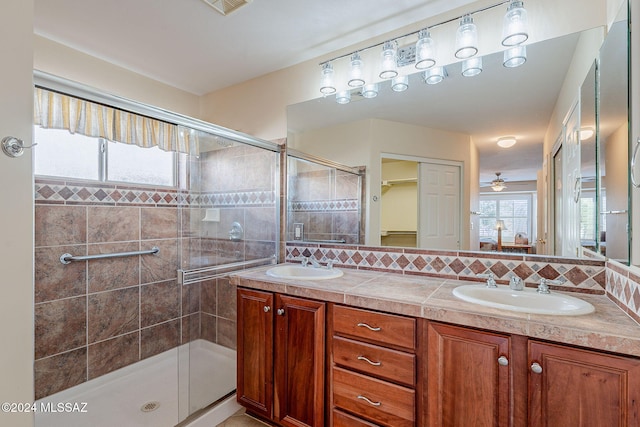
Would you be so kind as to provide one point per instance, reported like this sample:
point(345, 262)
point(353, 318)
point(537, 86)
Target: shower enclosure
point(134, 314)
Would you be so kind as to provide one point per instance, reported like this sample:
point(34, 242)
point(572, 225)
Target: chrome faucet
point(516, 283)
point(491, 281)
point(309, 260)
point(543, 287)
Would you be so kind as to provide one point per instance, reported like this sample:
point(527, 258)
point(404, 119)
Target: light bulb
point(327, 86)
point(425, 50)
point(515, 56)
point(355, 75)
point(389, 62)
point(515, 27)
point(472, 67)
point(466, 38)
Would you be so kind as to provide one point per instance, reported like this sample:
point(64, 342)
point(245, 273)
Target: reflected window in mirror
point(517, 212)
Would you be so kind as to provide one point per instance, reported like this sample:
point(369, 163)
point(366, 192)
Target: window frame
point(508, 238)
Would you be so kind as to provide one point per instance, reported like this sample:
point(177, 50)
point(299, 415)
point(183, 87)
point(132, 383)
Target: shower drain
point(150, 406)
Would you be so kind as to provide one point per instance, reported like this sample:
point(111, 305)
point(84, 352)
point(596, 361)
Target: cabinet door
point(467, 377)
point(299, 352)
point(255, 351)
point(578, 388)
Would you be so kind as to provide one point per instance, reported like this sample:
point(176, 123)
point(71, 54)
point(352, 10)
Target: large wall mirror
point(460, 120)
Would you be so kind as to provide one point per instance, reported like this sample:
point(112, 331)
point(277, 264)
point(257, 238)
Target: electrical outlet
point(298, 231)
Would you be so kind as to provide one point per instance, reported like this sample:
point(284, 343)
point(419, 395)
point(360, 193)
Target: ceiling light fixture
point(225, 7)
point(586, 133)
point(498, 184)
point(515, 26)
point(421, 53)
point(466, 38)
point(507, 141)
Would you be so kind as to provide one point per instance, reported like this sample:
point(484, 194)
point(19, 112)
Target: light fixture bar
point(457, 18)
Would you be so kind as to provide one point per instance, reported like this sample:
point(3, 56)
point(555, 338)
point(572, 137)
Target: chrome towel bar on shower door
point(67, 258)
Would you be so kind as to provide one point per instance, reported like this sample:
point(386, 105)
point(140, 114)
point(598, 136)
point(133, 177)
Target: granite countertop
point(608, 328)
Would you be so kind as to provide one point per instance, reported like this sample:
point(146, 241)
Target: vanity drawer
point(378, 361)
point(379, 401)
point(340, 419)
point(388, 329)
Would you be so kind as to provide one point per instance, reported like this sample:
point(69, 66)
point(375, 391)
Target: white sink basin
point(526, 301)
point(294, 271)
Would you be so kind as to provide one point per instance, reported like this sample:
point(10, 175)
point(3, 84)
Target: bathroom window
point(515, 210)
point(65, 155)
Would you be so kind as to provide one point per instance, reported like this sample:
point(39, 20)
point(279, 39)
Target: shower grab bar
point(187, 277)
point(325, 241)
point(67, 258)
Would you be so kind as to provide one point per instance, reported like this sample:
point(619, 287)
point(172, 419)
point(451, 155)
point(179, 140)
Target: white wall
point(16, 212)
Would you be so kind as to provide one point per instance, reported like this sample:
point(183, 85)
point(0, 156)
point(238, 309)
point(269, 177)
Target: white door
point(571, 184)
point(439, 190)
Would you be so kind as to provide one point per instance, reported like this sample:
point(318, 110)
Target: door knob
point(266, 308)
point(536, 368)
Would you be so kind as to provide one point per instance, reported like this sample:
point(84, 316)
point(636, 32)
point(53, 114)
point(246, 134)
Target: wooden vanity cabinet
point(281, 348)
point(467, 377)
point(582, 388)
point(373, 369)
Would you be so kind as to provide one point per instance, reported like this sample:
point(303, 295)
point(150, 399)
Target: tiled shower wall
point(93, 317)
point(327, 202)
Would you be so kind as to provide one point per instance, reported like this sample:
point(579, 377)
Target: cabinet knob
point(280, 312)
point(536, 368)
point(503, 361)
point(266, 308)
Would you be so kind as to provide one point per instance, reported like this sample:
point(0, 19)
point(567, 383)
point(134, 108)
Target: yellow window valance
point(54, 110)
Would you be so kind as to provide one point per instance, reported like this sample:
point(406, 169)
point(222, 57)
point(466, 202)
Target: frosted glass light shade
point(472, 67)
point(466, 38)
point(327, 85)
point(433, 75)
point(515, 56)
point(370, 90)
point(389, 63)
point(515, 26)
point(400, 83)
point(425, 51)
point(343, 97)
point(356, 78)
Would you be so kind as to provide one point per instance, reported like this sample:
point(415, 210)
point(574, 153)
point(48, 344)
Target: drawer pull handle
point(369, 401)
point(369, 361)
point(371, 328)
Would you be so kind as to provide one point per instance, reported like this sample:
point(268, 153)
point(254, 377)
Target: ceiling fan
point(498, 184)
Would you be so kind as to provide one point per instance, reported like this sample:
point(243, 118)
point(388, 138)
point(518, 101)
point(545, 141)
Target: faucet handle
point(330, 264)
point(491, 281)
point(516, 283)
point(543, 287)
point(305, 261)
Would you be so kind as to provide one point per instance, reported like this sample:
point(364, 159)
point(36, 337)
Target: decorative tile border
point(80, 192)
point(623, 287)
point(587, 276)
point(324, 205)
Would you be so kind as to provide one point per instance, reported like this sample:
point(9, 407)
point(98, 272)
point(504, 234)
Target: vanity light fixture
point(343, 97)
point(355, 74)
point(472, 67)
point(389, 60)
point(327, 85)
point(515, 56)
point(466, 38)
point(425, 50)
point(434, 75)
point(398, 55)
point(400, 83)
point(507, 141)
point(515, 26)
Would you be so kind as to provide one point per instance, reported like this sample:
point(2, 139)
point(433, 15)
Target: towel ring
point(635, 183)
point(14, 147)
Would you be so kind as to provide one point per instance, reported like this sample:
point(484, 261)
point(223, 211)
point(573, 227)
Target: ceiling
point(189, 45)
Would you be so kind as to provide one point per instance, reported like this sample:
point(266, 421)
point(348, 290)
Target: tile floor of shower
point(124, 397)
